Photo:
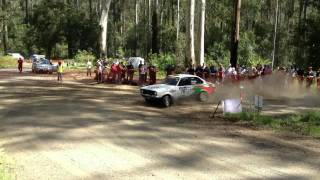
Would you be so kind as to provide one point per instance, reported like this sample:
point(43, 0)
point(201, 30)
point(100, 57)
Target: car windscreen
point(44, 61)
point(171, 81)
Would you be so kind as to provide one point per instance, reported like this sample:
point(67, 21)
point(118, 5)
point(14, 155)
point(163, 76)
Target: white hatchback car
point(176, 87)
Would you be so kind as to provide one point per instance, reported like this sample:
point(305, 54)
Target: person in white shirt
point(89, 67)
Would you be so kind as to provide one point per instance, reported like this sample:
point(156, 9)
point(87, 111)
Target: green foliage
point(305, 124)
point(61, 28)
point(7, 61)
point(162, 60)
point(84, 56)
point(5, 170)
point(48, 21)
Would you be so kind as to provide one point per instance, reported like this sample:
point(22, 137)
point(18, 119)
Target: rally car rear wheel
point(166, 100)
point(203, 97)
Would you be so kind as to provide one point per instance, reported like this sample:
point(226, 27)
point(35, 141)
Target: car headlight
point(155, 93)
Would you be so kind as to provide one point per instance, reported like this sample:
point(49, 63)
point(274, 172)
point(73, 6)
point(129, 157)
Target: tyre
point(203, 97)
point(148, 101)
point(166, 101)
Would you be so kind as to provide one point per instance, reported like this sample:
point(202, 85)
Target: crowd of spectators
point(220, 74)
point(121, 73)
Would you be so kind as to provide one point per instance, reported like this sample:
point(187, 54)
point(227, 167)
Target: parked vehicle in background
point(135, 61)
point(177, 87)
point(43, 66)
point(36, 57)
point(16, 56)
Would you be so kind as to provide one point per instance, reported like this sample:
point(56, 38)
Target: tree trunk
point(104, 24)
point(5, 28)
point(178, 19)
point(275, 33)
point(90, 9)
point(27, 11)
point(235, 34)
point(136, 27)
point(190, 54)
point(155, 29)
point(202, 30)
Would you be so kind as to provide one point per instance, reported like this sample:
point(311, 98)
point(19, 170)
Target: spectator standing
point(100, 71)
point(152, 75)
point(318, 79)
point(123, 71)
point(191, 70)
point(300, 76)
point(221, 73)
point(213, 73)
point(20, 65)
point(60, 71)
point(310, 77)
point(170, 69)
point(142, 74)
point(130, 73)
point(199, 71)
point(89, 68)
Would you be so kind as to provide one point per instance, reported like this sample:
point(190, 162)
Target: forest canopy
point(62, 28)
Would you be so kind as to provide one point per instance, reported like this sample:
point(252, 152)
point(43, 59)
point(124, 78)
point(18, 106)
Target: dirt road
point(80, 130)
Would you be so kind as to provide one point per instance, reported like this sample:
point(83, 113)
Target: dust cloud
point(273, 88)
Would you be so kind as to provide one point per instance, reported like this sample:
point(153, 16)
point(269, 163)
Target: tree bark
point(190, 54)
point(136, 27)
point(4, 28)
point(202, 30)
point(178, 19)
point(90, 9)
point(104, 24)
point(155, 29)
point(235, 37)
point(27, 11)
point(275, 33)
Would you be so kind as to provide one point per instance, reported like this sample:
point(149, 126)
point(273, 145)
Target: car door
point(185, 87)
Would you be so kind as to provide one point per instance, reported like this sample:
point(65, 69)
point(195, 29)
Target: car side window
point(195, 80)
point(185, 82)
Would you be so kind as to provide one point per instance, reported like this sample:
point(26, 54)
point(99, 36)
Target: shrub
point(84, 56)
point(162, 60)
point(305, 124)
point(7, 61)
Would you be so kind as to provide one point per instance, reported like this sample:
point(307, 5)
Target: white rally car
point(176, 87)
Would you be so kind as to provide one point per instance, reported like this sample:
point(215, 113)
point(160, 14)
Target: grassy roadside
point(5, 170)
point(7, 62)
point(304, 124)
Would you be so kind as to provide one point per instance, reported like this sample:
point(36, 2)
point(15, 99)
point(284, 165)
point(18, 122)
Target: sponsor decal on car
point(204, 88)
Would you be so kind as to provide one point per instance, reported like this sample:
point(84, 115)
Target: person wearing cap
point(20, 64)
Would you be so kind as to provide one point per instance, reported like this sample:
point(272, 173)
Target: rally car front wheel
point(166, 100)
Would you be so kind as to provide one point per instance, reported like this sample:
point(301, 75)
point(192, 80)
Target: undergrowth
point(305, 124)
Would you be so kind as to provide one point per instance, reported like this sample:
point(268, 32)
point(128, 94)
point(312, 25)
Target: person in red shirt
point(114, 71)
point(20, 65)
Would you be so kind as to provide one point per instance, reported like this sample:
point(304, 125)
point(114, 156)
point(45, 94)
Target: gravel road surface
point(81, 130)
